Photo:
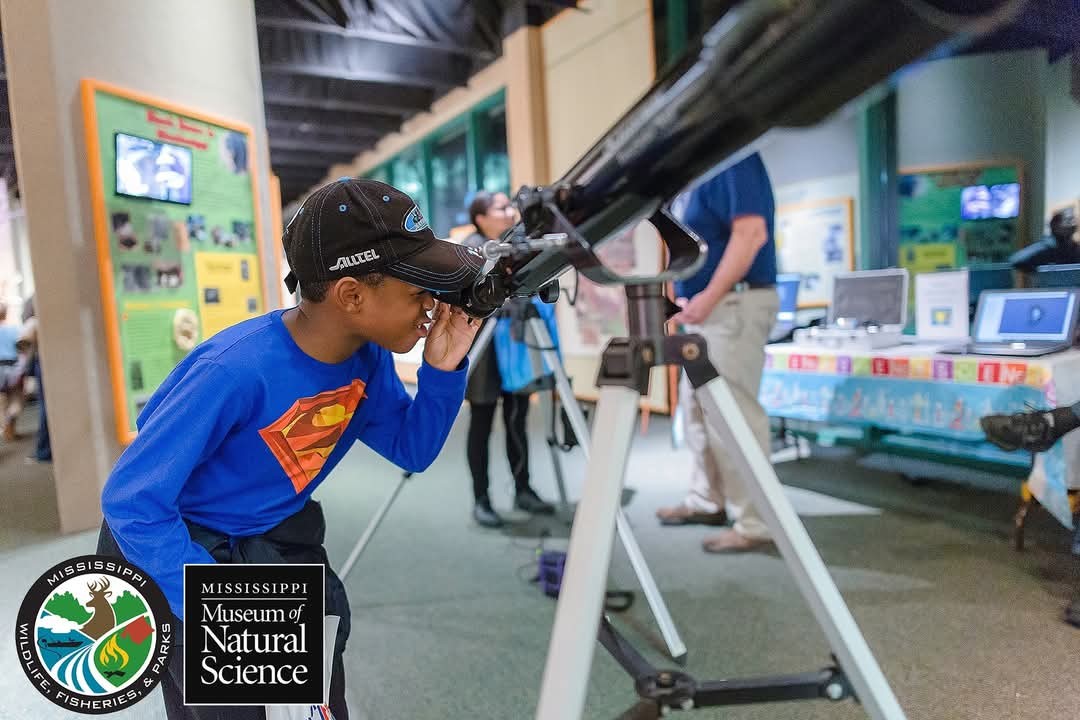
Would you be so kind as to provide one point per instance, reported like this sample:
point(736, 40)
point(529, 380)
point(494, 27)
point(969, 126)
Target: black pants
point(297, 539)
point(515, 413)
point(172, 691)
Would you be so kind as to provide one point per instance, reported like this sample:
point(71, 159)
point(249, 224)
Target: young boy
point(236, 439)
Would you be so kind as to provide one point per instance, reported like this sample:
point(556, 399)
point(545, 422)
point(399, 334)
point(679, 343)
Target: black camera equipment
point(1060, 248)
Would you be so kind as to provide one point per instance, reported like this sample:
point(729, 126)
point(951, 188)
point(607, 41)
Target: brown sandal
point(683, 515)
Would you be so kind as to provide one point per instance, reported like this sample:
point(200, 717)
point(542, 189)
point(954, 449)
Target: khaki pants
point(736, 332)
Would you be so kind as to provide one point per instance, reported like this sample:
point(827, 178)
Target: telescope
point(766, 64)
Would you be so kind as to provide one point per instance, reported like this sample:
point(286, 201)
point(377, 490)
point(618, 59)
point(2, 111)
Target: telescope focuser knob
point(494, 249)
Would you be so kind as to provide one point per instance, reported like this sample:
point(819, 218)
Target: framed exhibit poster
point(176, 221)
point(958, 215)
point(816, 239)
point(952, 216)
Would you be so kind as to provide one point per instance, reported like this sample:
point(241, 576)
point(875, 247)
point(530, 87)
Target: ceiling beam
point(319, 146)
point(333, 131)
point(307, 159)
point(293, 177)
point(298, 176)
point(287, 100)
point(298, 190)
point(376, 36)
point(375, 76)
point(374, 124)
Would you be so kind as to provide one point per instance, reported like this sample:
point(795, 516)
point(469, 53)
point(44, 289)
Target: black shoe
point(1035, 431)
point(1072, 613)
point(530, 502)
point(485, 516)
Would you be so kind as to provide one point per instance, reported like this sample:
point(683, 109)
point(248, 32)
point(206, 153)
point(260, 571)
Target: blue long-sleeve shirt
point(245, 428)
point(712, 208)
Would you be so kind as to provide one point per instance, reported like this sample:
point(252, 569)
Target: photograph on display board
point(816, 240)
point(154, 170)
point(176, 220)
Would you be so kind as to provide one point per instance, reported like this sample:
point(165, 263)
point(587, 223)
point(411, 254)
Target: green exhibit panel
point(176, 221)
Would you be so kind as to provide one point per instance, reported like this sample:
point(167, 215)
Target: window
point(407, 170)
point(495, 160)
point(381, 173)
point(440, 172)
point(449, 181)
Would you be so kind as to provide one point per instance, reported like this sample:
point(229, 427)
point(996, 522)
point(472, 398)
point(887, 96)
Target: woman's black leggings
point(515, 413)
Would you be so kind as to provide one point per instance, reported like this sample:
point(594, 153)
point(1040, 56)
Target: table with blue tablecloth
point(918, 397)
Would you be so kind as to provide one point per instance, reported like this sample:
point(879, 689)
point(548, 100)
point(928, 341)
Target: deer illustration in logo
point(104, 618)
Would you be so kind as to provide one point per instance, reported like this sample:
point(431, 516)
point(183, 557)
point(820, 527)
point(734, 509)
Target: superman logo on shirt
point(305, 435)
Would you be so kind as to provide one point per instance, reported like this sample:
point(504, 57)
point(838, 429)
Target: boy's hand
point(451, 336)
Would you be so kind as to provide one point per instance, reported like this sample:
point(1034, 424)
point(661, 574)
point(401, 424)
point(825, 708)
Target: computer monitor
point(871, 296)
point(1056, 276)
point(1025, 316)
point(787, 287)
point(988, 276)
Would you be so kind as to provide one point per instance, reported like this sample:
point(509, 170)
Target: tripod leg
point(538, 356)
point(675, 645)
point(581, 599)
point(556, 463)
point(799, 553)
point(479, 344)
point(371, 528)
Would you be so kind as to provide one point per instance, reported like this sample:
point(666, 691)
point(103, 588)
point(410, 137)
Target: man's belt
point(744, 286)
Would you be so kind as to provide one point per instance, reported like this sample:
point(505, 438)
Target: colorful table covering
point(915, 390)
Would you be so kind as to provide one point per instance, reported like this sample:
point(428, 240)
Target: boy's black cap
point(354, 226)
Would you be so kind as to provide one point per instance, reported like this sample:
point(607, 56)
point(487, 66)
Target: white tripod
point(623, 379)
point(542, 346)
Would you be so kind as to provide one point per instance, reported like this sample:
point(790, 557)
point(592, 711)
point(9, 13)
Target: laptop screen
point(787, 287)
point(1025, 316)
point(870, 296)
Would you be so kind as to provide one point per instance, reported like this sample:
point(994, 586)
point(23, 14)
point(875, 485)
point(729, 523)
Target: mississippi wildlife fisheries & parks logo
point(94, 634)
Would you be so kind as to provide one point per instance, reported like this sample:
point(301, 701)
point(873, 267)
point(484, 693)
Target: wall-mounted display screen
point(151, 169)
point(982, 202)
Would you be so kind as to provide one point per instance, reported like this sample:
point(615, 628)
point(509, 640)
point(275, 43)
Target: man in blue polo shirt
point(732, 303)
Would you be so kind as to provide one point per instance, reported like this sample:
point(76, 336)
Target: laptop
point(787, 287)
point(1024, 323)
point(870, 297)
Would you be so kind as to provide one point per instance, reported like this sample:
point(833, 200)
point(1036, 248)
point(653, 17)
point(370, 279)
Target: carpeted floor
point(446, 624)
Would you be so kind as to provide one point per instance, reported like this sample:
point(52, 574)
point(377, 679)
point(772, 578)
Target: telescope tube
point(765, 64)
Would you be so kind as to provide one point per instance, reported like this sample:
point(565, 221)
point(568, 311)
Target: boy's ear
point(348, 293)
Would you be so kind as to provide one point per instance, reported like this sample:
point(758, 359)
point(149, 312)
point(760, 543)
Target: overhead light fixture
point(305, 127)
